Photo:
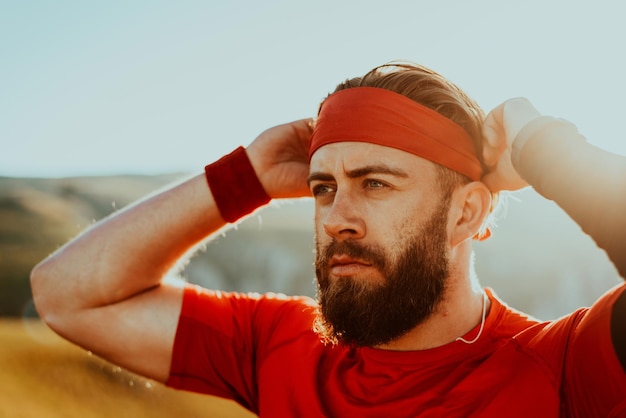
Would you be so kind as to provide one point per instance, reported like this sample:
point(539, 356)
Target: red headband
point(380, 116)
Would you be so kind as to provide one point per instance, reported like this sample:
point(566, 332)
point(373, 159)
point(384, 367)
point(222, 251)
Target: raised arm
point(107, 289)
point(588, 183)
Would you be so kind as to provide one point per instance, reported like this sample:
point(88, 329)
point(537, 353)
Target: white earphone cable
point(482, 323)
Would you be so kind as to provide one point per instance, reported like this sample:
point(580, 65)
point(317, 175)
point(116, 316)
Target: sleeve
point(594, 383)
point(585, 181)
point(213, 351)
point(589, 184)
point(222, 338)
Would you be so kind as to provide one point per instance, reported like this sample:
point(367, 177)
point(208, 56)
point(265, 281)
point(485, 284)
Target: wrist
point(528, 131)
point(235, 186)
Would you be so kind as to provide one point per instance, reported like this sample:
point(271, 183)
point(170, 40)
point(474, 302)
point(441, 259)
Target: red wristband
point(235, 186)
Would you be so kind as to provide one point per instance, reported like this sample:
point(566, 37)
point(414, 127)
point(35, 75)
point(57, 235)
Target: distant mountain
point(39, 215)
point(537, 259)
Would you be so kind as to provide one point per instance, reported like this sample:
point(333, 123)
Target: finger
point(303, 129)
point(491, 151)
point(492, 182)
point(494, 141)
point(518, 112)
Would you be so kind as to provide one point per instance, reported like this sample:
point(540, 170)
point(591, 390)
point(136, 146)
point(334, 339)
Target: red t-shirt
point(260, 350)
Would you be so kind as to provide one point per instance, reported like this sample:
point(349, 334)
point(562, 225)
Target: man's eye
point(374, 184)
point(322, 189)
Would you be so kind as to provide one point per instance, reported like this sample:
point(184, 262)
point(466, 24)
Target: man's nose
point(343, 219)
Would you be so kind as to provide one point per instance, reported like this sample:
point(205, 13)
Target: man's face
point(381, 243)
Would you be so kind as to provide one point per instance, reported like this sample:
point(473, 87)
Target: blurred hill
point(39, 215)
point(537, 260)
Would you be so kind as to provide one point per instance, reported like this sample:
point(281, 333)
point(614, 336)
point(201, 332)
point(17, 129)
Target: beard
point(359, 312)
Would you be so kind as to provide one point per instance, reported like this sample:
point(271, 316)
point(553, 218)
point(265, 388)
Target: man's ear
point(469, 207)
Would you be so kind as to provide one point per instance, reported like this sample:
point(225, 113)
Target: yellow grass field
point(43, 376)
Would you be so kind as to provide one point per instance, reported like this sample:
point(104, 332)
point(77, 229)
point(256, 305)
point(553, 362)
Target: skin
point(354, 183)
point(93, 280)
point(371, 194)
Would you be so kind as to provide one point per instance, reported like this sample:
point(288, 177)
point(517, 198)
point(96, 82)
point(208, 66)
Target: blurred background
point(102, 103)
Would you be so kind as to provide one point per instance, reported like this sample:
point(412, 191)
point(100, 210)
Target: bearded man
point(404, 169)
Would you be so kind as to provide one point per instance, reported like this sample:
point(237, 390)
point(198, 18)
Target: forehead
point(346, 156)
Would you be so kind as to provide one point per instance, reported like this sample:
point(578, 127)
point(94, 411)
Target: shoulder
point(578, 352)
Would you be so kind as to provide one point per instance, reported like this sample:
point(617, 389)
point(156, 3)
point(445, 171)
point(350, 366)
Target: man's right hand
point(280, 157)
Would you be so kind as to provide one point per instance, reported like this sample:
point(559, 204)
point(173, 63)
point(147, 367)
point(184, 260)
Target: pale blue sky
point(90, 88)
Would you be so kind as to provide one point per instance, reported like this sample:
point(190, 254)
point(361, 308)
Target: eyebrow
point(359, 172)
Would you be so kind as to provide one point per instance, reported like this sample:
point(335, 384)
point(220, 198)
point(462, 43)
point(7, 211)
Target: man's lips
point(341, 265)
point(338, 260)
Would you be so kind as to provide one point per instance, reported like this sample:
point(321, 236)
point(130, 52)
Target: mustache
point(368, 253)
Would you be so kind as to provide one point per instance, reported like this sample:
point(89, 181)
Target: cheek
point(320, 235)
point(399, 234)
point(400, 222)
